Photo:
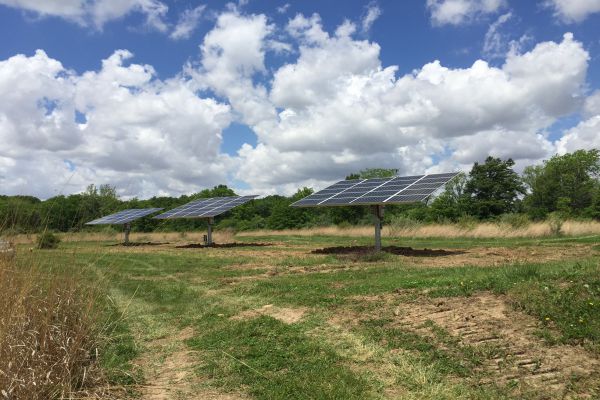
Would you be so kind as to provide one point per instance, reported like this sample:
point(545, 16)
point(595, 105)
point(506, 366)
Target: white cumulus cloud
point(232, 53)
point(457, 12)
point(573, 10)
point(331, 108)
point(372, 13)
point(341, 110)
point(188, 21)
point(95, 13)
point(144, 135)
point(586, 134)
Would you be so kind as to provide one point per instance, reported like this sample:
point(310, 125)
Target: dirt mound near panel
point(221, 245)
point(396, 250)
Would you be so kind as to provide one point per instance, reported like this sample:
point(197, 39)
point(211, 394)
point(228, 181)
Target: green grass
point(276, 361)
point(162, 290)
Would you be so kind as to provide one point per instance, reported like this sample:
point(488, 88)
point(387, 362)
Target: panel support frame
point(209, 222)
point(126, 230)
point(378, 211)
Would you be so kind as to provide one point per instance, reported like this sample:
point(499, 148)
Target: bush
point(513, 220)
point(47, 240)
point(555, 221)
point(468, 222)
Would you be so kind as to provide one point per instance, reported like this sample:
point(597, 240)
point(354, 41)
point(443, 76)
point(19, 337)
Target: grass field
point(489, 318)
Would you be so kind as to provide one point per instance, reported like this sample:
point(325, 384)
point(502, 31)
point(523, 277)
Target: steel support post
point(127, 229)
point(378, 218)
point(209, 241)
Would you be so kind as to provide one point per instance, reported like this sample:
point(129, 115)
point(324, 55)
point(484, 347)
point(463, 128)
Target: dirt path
point(168, 367)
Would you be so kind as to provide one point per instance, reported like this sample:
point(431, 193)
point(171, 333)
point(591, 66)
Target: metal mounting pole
point(378, 217)
point(127, 229)
point(209, 241)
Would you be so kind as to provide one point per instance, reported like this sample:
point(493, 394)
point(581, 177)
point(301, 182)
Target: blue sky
point(267, 96)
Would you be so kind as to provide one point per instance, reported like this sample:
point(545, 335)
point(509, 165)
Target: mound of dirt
point(400, 251)
point(221, 245)
point(137, 244)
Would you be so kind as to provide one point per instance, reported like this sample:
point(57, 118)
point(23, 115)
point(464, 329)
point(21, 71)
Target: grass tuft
point(47, 240)
point(54, 329)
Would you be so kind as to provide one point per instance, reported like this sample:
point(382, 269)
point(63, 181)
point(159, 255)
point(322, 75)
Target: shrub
point(404, 222)
point(467, 222)
point(48, 240)
point(555, 222)
point(344, 225)
point(515, 221)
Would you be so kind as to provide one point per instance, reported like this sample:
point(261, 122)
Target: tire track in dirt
point(518, 356)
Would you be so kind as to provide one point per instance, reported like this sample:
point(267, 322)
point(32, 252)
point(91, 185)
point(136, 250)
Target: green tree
point(593, 211)
point(493, 188)
point(452, 203)
point(285, 217)
point(371, 173)
point(217, 191)
point(565, 183)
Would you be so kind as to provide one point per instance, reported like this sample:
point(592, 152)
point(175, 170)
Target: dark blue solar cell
point(378, 191)
point(205, 208)
point(125, 216)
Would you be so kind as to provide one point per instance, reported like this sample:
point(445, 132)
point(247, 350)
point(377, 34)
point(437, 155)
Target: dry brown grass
point(222, 236)
point(48, 334)
point(481, 230)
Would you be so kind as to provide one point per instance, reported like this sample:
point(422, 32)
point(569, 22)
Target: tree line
point(565, 186)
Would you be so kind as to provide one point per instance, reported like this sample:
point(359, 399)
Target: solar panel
point(125, 216)
point(398, 189)
point(205, 208)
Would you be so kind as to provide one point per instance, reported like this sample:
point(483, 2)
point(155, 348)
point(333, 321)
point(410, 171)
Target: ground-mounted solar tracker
point(399, 189)
point(125, 218)
point(377, 193)
point(206, 208)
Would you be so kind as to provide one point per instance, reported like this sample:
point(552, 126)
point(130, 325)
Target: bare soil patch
point(488, 322)
point(498, 256)
point(477, 256)
point(284, 314)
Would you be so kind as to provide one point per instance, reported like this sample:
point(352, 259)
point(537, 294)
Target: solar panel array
point(125, 216)
point(205, 208)
point(399, 189)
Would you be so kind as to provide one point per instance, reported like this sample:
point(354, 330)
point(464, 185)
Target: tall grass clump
point(50, 332)
point(514, 221)
point(47, 240)
point(401, 223)
point(556, 222)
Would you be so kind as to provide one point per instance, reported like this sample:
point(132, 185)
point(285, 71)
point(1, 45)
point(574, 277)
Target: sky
point(159, 97)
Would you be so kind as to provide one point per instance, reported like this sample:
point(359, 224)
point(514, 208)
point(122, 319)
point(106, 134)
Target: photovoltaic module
point(379, 191)
point(125, 216)
point(205, 208)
